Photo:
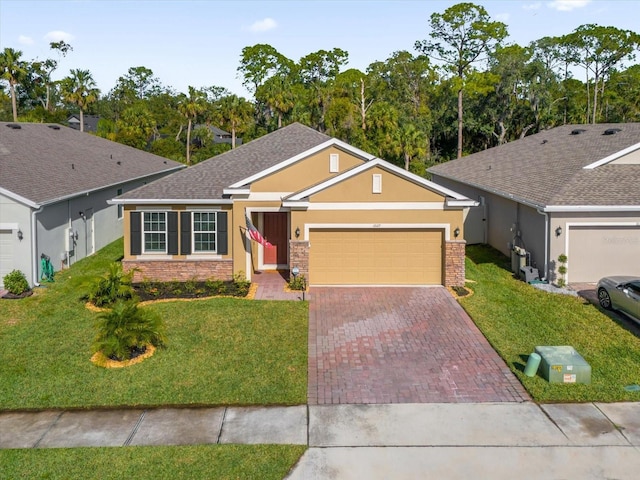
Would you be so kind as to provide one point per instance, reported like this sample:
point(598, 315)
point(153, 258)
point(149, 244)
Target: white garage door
point(375, 257)
point(595, 252)
point(6, 253)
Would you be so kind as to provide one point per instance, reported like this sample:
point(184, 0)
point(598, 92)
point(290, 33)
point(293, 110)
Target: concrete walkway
point(400, 441)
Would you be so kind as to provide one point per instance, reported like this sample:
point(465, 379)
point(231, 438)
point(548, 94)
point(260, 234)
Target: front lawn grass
point(221, 351)
point(516, 317)
point(141, 463)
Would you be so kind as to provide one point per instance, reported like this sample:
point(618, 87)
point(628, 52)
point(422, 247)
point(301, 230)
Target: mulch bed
point(13, 296)
point(187, 290)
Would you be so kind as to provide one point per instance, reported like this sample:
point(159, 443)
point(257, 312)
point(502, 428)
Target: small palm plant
point(116, 285)
point(127, 329)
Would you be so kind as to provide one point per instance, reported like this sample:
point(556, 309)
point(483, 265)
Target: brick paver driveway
point(400, 345)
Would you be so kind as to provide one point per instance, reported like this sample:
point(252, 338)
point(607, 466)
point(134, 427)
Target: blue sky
point(199, 42)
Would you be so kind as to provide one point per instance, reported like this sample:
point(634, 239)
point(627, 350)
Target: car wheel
point(604, 299)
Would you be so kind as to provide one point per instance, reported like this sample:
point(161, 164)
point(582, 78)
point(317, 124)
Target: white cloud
point(502, 17)
point(24, 40)
point(568, 5)
point(532, 6)
point(58, 35)
point(263, 25)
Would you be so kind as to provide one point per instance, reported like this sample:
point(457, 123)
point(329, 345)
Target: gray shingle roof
point(547, 168)
point(208, 179)
point(46, 162)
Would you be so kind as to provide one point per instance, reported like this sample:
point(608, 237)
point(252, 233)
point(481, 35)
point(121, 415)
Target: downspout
point(34, 246)
point(546, 243)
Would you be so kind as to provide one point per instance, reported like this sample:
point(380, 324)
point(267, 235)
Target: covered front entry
point(376, 257)
point(276, 232)
point(598, 251)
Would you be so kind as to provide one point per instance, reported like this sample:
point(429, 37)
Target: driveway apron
point(370, 345)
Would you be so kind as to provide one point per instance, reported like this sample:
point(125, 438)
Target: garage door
point(595, 252)
point(6, 253)
point(375, 257)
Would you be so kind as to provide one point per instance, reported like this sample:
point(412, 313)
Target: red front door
point(275, 231)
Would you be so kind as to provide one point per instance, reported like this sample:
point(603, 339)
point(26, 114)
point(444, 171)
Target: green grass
point(262, 462)
point(515, 317)
point(222, 351)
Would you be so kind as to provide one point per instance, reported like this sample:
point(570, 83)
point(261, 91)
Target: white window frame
point(193, 233)
point(334, 163)
point(145, 232)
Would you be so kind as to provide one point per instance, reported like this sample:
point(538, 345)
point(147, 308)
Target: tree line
point(459, 91)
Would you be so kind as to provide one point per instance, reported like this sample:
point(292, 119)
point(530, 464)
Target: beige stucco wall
point(632, 158)
point(302, 219)
point(305, 172)
point(359, 188)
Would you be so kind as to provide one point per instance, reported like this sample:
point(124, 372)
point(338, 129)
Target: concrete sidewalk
point(397, 441)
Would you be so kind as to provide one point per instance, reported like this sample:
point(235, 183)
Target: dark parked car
point(620, 293)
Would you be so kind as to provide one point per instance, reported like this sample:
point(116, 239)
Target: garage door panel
point(596, 252)
point(375, 257)
point(6, 253)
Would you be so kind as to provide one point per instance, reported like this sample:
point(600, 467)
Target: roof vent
point(611, 131)
point(578, 131)
point(14, 126)
point(54, 127)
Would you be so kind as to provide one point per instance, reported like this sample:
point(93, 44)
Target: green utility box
point(563, 365)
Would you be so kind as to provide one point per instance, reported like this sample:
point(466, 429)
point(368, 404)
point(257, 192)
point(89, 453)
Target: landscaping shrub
point(298, 282)
point(16, 282)
point(242, 284)
point(126, 330)
point(114, 286)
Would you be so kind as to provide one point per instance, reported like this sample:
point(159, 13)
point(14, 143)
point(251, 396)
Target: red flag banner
point(255, 234)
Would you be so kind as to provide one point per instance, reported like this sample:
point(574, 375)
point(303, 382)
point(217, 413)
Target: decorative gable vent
point(334, 163)
point(611, 131)
point(578, 131)
point(377, 183)
point(14, 126)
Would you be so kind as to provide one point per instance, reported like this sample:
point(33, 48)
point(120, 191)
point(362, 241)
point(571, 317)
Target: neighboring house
point(54, 187)
point(572, 190)
point(220, 136)
point(90, 122)
point(338, 214)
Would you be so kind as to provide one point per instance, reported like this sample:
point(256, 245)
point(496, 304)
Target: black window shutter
point(172, 233)
point(185, 233)
point(135, 233)
point(222, 233)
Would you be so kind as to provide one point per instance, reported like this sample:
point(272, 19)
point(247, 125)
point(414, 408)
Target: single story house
point(336, 213)
point(572, 190)
point(54, 187)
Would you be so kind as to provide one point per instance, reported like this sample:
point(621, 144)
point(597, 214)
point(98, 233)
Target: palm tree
point(236, 114)
point(80, 89)
point(127, 327)
point(190, 107)
point(13, 71)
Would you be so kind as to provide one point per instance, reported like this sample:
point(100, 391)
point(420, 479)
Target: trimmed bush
point(16, 282)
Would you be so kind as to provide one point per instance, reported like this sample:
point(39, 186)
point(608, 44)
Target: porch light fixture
point(558, 231)
point(295, 271)
point(456, 232)
point(297, 232)
point(20, 235)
